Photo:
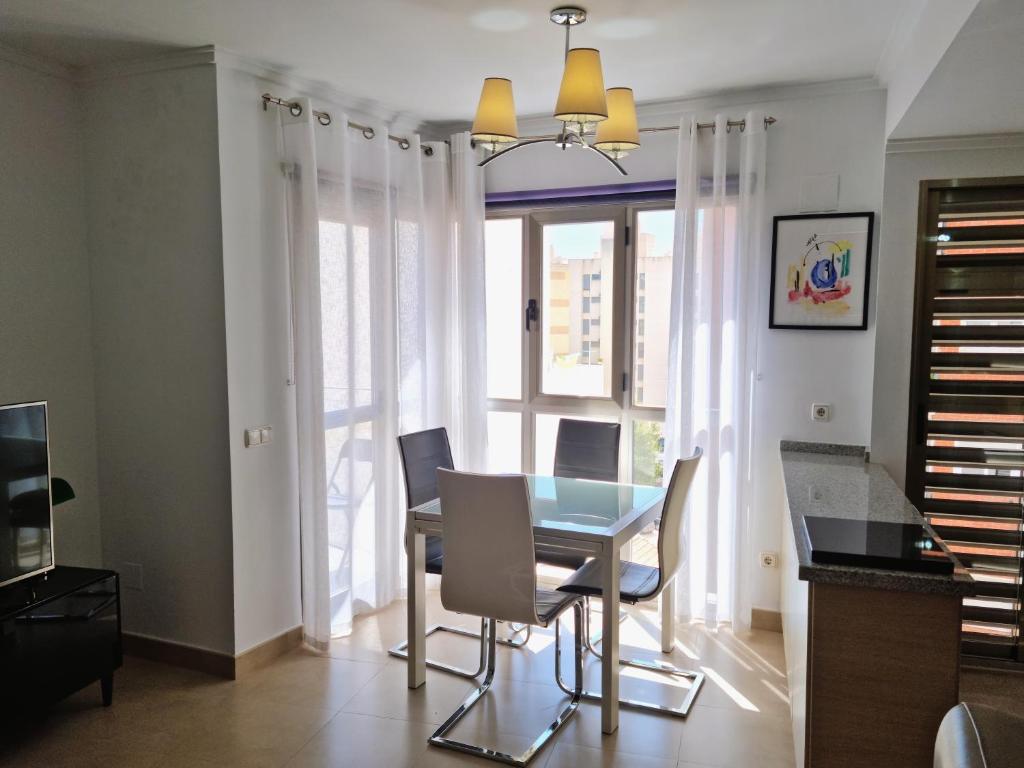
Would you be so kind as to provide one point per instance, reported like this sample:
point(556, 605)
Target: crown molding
point(668, 113)
point(187, 57)
point(954, 143)
point(35, 63)
point(899, 36)
point(327, 95)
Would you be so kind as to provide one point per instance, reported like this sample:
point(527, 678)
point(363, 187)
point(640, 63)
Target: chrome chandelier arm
point(517, 145)
point(607, 157)
point(569, 136)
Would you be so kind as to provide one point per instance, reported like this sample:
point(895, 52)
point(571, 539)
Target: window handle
point(531, 313)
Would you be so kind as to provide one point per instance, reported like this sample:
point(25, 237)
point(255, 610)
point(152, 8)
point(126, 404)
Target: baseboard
point(263, 654)
point(179, 655)
point(212, 662)
point(767, 620)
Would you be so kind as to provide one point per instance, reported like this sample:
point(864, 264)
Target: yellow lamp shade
point(619, 132)
point(581, 98)
point(495, 120)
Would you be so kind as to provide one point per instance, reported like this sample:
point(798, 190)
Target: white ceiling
point(428, 57)
point(978, 85)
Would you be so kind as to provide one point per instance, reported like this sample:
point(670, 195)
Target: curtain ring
point(368, 133)
point(323, 118)
point(728, 127)
point(404, 143)
point(428, 151)
point(295, 108)
point(743, 125)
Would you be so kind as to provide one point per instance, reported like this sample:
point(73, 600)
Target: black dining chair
point(641, 583)
point(423, 454)
point(584, 450)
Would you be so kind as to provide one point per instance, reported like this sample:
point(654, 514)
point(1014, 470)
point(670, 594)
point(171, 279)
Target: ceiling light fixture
point(583, 105)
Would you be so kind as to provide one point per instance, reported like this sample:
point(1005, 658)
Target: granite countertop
point(825, 480)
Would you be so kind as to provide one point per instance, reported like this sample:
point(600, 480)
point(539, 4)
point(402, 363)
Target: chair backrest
point(490, 567)
point(587, 450)
point(670, 532)
point(423, 453)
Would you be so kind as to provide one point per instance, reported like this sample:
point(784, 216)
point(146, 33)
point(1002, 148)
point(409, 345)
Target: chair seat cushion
point(976, 736)
point(435, 555)
point(636, 582)
point(551, 603)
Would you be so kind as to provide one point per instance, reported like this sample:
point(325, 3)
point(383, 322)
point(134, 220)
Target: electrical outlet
point(131, 576)
point(821, 412)
point(769, 559)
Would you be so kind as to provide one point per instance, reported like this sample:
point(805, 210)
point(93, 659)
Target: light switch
point(264, 435)
point(252, 438)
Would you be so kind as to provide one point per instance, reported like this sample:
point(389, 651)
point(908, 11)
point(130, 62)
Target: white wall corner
point(915, 46)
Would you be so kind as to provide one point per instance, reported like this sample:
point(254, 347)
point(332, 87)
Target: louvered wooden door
point(965, 458)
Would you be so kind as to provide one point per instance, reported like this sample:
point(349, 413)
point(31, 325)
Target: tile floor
point(352, 708)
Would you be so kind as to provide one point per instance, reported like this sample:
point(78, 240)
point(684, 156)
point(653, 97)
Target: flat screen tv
point(26, 516)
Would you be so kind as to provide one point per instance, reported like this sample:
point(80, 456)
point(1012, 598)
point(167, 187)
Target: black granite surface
point(835, 481)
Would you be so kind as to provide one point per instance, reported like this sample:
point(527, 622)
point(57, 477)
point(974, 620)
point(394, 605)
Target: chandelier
point(599, 120)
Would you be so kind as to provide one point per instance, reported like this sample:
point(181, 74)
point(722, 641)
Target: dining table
point(575, 516)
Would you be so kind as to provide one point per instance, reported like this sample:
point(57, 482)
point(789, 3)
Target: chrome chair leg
point(683, 710)
point(440, 740)
point(401, 650)
point(513, 631)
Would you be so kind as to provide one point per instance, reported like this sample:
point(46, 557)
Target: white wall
point(907, 163)
point(820, 130)
point(152, 177)
point(264, 480)
point(45, 319)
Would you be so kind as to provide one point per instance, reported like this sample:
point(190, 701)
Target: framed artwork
point(821, 265)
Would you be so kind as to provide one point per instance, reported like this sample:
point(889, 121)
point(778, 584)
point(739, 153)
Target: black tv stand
point(58, 633)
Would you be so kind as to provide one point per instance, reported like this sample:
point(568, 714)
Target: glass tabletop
point(589, 506)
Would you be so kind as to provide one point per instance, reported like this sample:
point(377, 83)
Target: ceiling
point(977, 87)
point(428, 57)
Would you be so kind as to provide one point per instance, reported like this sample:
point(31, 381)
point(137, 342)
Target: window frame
point(619, 406)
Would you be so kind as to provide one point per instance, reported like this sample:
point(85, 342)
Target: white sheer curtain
point(386, 249)
point(712, 356)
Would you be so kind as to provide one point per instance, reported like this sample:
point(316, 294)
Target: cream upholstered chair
point(423, 453)
point(640, 583)
point(490, 570)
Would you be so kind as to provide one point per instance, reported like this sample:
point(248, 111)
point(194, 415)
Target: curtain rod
point(324, 118)
point(729, 125)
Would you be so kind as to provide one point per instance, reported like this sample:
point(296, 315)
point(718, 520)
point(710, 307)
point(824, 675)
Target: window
point(655, 234)
point(570, 251)
point(503, 269)
point(599, 320)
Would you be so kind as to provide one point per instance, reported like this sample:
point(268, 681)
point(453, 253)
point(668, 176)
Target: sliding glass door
point(577, 314)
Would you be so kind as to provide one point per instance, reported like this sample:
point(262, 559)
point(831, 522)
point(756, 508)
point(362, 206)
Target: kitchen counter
point(872, 655)
point(824, 480)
